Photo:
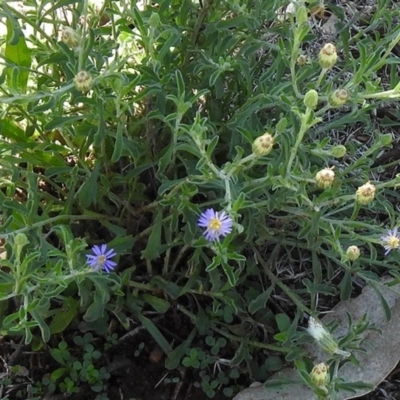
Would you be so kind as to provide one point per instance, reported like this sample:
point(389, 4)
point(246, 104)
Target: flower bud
point(327, 56)
point(338, 151)
point(154, 20)
point(263, 145)
point(365, 193)
point(386, 139)
point(324, 338)
point(21, 240)
point(301, 15)
point(311, 99)
point(324, 178)
point(83, 81)
point(352, 253)
point(338, 97)
point(319, 375)
point(302, 60)
point(70, 37)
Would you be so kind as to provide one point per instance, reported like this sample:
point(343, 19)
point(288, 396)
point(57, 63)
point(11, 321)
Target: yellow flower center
point(393, 242)
point(215, 224)
point(101, 260)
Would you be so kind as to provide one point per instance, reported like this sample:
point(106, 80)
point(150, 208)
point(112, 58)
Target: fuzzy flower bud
point(365, 193)
point(21, 240)
point(319, 375)
point(324, 338)
point(339, 97)
point(338, 151)
point(311, 99)
point(327, 56)
point(301, 15)
point(263, 145)
point(352, 253)
point(302, 60)
point(70, 37)
point(154, 20)
point(386, 139)
point(83, 81)
point(324, 178)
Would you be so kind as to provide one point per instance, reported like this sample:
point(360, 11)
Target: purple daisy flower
point(217, 224)
point(391, 240)
point(101, 258)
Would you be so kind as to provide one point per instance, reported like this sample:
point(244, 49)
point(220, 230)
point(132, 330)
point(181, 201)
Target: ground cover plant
point(186, 186)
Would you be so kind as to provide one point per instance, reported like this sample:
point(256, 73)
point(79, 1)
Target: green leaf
point(59, 122)
point(12, 131)
point(160, 305)
point(345, 286)
point(58, 373)
point(153, 247)
point(87, 193)
point(20, 55)
point(181, 84)
point(259, 302)
point(384, 303)
point(171, 288)
point(95, 310)
point(176, 354)
point(229, 272)
point(42, 324)
point(317, 270)
point(165, 160)
point(155, 333)
point(118, 144)
point(283, 322)
point(59, 4)
point(64, 315)
point(173, 37)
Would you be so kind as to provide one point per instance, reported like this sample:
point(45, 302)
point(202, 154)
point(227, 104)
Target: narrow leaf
point(20, 55)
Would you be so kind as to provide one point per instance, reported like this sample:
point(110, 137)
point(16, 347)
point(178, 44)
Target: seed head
point(83, 81)
point(365, 193)
point(338, 98)
point(263, 145)
point(327, 56)
point(353, 253)
point(324, 178)
point(324, 338)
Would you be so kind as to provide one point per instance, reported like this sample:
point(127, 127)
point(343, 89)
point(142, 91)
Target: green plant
point(76, 370)
point(215, 147)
